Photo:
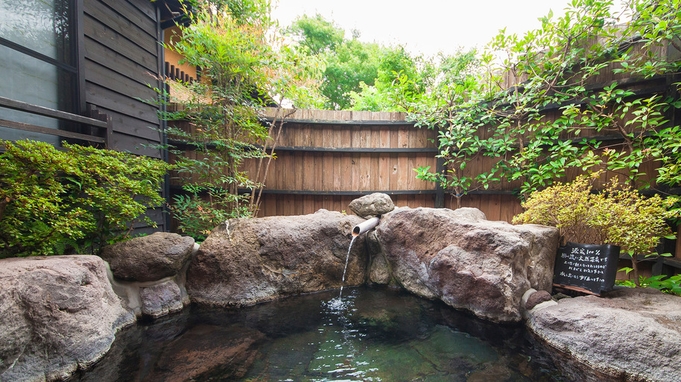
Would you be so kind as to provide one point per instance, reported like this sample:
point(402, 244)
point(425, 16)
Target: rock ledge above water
point(59, 314)
point(626, 335)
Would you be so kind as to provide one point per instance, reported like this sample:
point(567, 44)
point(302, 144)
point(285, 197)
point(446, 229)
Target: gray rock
point(379, 271)
point(628, 334)
point(59, 314)
point(161, 299)
point(375, 204)
point(149, 258)
point(248, 261)
point(466, 261)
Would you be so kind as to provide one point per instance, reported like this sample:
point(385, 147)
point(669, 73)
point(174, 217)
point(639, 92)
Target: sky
point(424, 26)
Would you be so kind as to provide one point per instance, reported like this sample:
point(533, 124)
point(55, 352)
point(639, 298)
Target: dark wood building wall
point(121, 64)
point(122, 57)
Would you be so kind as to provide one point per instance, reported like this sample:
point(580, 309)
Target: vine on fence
point(536, 106)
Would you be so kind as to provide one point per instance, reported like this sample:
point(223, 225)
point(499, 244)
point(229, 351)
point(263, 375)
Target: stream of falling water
point(347, 258)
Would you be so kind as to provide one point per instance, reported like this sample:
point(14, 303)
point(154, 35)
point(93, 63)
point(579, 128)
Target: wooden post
point(439, 191)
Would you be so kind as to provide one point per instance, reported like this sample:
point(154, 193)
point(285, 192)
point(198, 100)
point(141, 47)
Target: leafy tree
point(358, 75)
point(317, 34)
point(352, 63)
point(540, 107)
point(401, 81)
point(241, 72)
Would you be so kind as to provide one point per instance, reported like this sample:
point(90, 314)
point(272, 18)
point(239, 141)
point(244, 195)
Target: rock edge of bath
point(74, 305)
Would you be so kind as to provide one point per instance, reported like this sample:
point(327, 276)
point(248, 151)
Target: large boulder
point(59, 314)
point(466, 261)
point(626, 335)
point(247, 261)
point(149, 258)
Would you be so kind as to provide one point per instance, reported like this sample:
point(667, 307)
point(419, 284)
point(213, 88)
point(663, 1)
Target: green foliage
point(357, 75)
point(222, 112)
point(662, 283)
point(350, 64)
point(197, 215)
point(536, 107)
point(618, 215)
point(317, 34)
point(401, 81)
point(53, 202)
point(220, 117)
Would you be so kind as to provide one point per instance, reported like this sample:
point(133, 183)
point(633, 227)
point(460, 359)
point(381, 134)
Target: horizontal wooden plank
point(268, 191)
point(111, 39)
point(357, 136)
point(45, 130)
point(132, 144)
point(107, 99)
point(147, 7)
point(134, 14)
point(358, 150)
point(116, 82)
point(125, 124)
point(118, 63)
point(334, 116)
point(346, 123)
point(48, 112)
point(124, 27)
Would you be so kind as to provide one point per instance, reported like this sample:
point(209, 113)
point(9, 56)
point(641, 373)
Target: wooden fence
point(325, 159)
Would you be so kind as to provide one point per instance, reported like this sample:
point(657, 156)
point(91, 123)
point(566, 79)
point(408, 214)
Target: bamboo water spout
point(365, 226)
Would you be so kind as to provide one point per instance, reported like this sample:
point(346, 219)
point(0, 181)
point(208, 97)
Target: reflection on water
point(369, 335)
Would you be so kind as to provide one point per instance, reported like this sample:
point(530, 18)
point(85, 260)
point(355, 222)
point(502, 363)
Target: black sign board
point(587, 267)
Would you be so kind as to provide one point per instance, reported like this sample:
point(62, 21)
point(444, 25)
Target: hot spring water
point(371, 334)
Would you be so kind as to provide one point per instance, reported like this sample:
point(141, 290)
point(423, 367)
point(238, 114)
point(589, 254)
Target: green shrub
point(671, 285)
point(78, 199)
point(618, 215)
point(196, 216)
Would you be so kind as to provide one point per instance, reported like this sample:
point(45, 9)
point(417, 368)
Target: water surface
point(371, 334)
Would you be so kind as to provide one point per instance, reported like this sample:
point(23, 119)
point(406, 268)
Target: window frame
point(76, 89)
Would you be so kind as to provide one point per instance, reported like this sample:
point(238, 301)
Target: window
point(38, 62)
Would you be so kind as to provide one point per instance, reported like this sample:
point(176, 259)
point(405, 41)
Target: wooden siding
point(121, 59)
